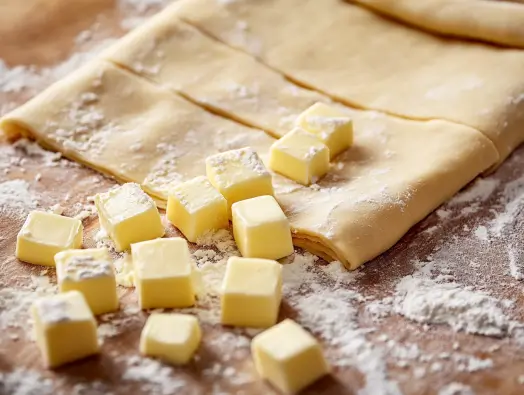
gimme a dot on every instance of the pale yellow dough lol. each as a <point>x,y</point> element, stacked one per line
<point>371,62</point>
<point>395,174</point>
<point>125,126</point>
<point>180,57</point>
<point>498,22</point>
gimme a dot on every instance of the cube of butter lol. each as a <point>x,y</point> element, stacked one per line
<point>90,272</point>
<point>173,338</point>
<point>261,229</point>
<point>331,125</point>
<point>43,235</point>
<point>163,273</point>
<point>195,207</point>
<point>65,328</point>
<point>301,156</point>
<point>251,292</point>
<point>128,215</point>
<point>238,175</point>
<point>288,357</point>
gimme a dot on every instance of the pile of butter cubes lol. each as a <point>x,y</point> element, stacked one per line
<point>238,187</point>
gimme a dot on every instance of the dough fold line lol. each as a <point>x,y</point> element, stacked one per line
<point>496,22</point>
<point>425,77</point>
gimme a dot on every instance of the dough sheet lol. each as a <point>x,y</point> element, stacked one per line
<point>498,22</point>
<point>397,172</point>
<point>367,61</point>
<point>177,56</point>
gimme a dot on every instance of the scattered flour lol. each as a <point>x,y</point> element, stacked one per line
<point>135,12</point>
<point>511,201</point>
<point>33,79</point>
<point>25,382</point>
<point>482,233</point>
<point>16,199</point>
<point>16,300</point>
<point>426,301</point>
<point>516,265</point>
<point>456,389</point>
<point>155,376</point>
<point>331,313</point>
<point>479,191</point>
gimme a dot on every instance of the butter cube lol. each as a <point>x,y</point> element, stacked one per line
<point>288,357</point>
<point>90,272</point>
<point>43,235</point>
<point>173,338</point>
<point>332,126</point>
<point>65,328</point>
<point>163,273</point>
<point>261,229</point>
<point>251,292</point>
<point>128,215</point>
<point>195,207</point>
<point>238,175</point>
<point>301,156</point>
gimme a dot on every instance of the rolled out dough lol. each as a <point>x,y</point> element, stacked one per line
<point>498,22</point>
<point>364,60</point>
<point>178,56</point>
<point>397,172</point>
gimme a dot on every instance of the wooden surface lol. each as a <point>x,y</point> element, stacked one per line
<point>42,33</point>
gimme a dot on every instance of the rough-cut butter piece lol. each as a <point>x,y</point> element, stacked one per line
<point>173,338</point>
<point>128,215</point>
<point>90,272</point>
<point>288,357</point>
<point>251,292</point>
<point>43,235</point>
<point>196,207</point>
<point>239,174</point>
<point>65,328</point>
<point>301,156</point>
<point>163,273</point>
<point>261,228</point>
<point>330,125</point>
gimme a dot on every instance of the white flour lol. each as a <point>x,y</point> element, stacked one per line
<point>318,294</point>
<point>479,191</point>
<point>154,376</point>
<point>34,79</point>
<point>512,203</point>
<point>16,199</point>
<point>25,382</point>
<point>15,301</point>
<point>135,12</point>
<point>426,301</point>
<point>456,389</point>
<point>482,233</point>
<point>516,264</point>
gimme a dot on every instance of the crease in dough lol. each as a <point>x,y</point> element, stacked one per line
<point>233,84</point>
<point>359,58</point>
<point>497,22</point>
<point>126,127</point>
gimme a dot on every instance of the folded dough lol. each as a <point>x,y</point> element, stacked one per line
<point>498,22</point>
<point>370,62</point>
<point>397,172</point>
<point>124,126</point>
<point>178,56</point>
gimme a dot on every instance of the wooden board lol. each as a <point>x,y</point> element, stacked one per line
<point>472,241</point>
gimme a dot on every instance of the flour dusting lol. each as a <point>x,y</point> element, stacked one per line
<point>16,198</point>
<point>425,301</point>
<point>456,389</point>
<point>25,382</point>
